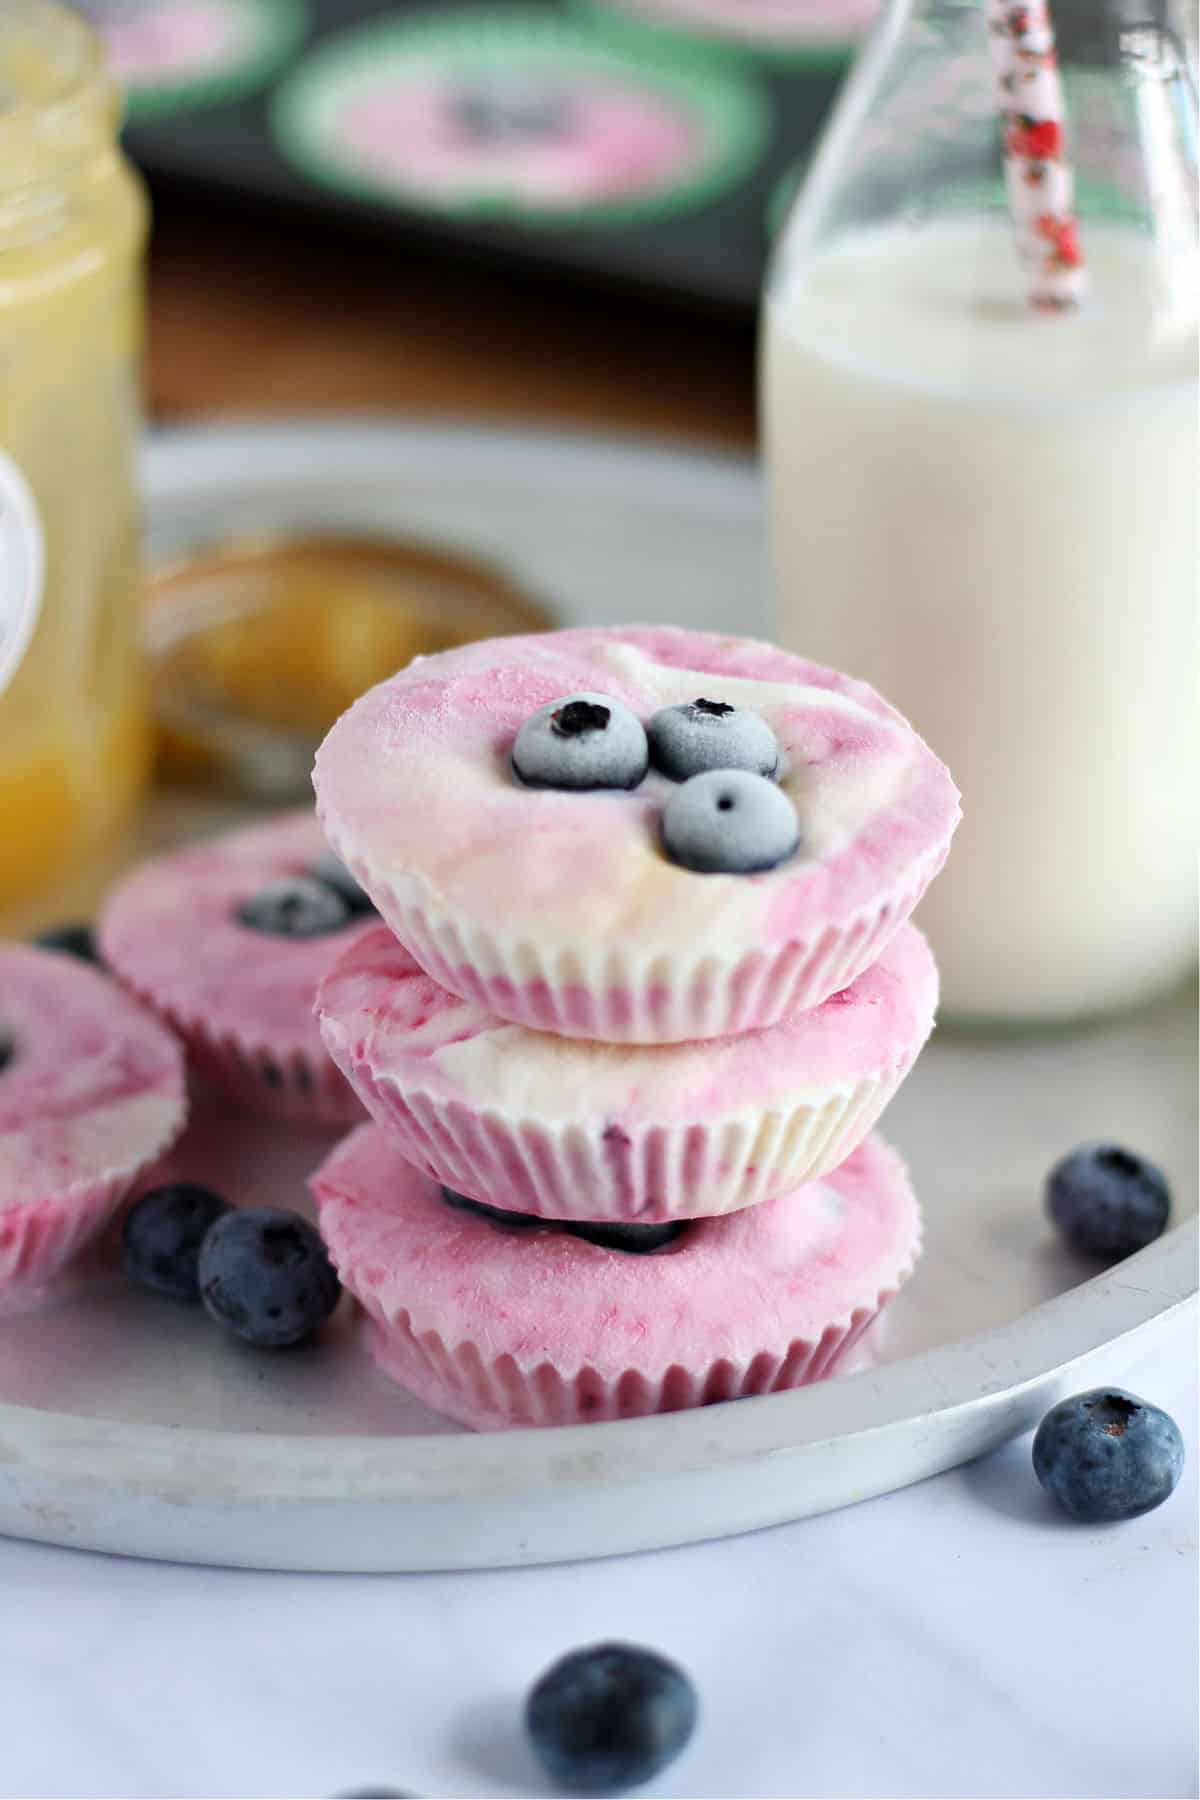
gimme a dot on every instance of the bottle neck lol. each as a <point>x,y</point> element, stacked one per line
<point>59,117</point>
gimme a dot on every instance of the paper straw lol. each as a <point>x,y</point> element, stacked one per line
<point>1038,176</point>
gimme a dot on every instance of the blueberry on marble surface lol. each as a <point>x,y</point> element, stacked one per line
<point>610,1717</point>
<point>1106,1456</point>
<point>582,741</point>
<point>266,1276</point>
<point>162,1235</point>
<point>729,822</point>
<point>296,907</point>
<point>710,734</point>
<point>1106,1201</point>
<point>72,940</point>
<point>332,872</point>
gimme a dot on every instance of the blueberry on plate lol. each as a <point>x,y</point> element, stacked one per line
<point>332,872</point>
<point>498,1215</point>
<point>1106,1201</point>
<point>265,1274</point>
<point>610,1717</point>
<point>296,907</point>
<point>710,734</point>
<point>1106,1455</point>
<point>640,1239</point>
<point>71,940</point>
<point>162,1235</point>
<point>729,822</point>
<point>582,741</point>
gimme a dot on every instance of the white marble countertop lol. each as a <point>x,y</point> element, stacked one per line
<point>957,1639</point>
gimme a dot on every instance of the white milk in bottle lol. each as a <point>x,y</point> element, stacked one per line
<point>988,508</point>
<point>992,517</point>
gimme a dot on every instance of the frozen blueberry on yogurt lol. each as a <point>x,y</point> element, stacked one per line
<point>729,822</point>
<point>710,734</point>
<point>294,908</point>
<point>583,741</point>
<point>499,1215</point>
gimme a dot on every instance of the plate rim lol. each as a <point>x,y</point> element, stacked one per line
<point>963,1397</point>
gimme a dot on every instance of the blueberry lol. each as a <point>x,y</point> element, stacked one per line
<point>1107,1201</point>
<point>296,907</point>
<point>582,741</point>
<point>497,113</point>
<point>266,1275</point>
<point>497,1214</point>
<point>332,872</point>
<point>1106,1455</point>
<point>8,1051</point>
<point>639,1239</point>
<point>710,734</point>
<point>729,822</point>
<point>610,1717</point>
<point>71,940</point>
<point>162,1235</point>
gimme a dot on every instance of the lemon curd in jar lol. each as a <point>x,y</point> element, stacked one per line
<point>73,734</point>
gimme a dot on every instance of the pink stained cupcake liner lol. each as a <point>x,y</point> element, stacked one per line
<point>500,1327</point>
<point>240,999</point>
<point>559,910</point>
<point>92,1092</point>
<point>571,1130</point>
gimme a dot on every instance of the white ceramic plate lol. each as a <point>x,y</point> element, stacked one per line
<point>131,1425</point>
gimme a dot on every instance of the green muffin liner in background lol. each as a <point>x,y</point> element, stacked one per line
<point>472,41</point>
<point>277,28</point>
<point>627,22</point>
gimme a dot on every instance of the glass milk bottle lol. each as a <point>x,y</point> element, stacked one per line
<point>988,508</point>
<point>73,733</point>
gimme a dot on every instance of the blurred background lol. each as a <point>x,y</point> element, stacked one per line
<point>555,215</point>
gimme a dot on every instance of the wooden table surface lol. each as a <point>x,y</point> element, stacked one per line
<point>252,315</point>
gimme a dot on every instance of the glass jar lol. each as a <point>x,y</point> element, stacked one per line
<point>73,732</point>
<point>989,510</point>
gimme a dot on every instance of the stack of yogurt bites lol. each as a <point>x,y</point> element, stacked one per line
<point>642,984</point>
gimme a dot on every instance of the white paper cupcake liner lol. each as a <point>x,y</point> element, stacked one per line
<point>599,991</point>
<point>491,1394</point>
<point>39,1239</point>
<point>570,1171</point>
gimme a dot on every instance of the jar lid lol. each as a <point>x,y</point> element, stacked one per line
<point>58,104</point>
<point>257,643</point>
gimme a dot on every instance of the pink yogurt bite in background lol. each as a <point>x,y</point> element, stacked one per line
<point>92,1091</point>
<point>242,999</point>
<point>560,909</point>
<point>498,1326</point>
<point>570,1128</point>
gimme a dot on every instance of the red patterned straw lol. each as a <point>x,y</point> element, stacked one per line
<point>1040,180</point>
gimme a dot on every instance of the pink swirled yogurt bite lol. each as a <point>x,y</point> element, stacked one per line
<point>227,941</point>
<point>501,1323</point>
<point>92,1091</point>
<point>569,1128</point>
<point>626,907</point>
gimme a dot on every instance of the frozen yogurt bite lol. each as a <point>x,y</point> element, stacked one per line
<point>502,1320</point>
<point>641,836</point>
<point>570,1128</point>
<point>92,1091</point>
<point>227,941</point>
